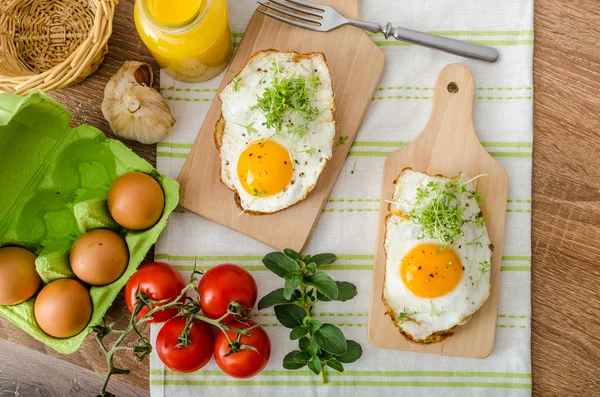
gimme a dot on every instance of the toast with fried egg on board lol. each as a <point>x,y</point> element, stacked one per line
<point>276,130</point>
<point>438,255</point>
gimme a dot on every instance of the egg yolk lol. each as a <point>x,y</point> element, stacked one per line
<point>265,168</point>
<point>429,272</point>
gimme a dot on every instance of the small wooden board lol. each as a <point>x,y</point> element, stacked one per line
<point>448,145</point>
<point>356,66</point>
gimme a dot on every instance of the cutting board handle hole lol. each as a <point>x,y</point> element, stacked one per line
<point>452,87</point>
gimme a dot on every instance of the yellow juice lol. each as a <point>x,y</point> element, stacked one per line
<point>190,39</point>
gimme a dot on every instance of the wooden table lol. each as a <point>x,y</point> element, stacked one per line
<point>566,216</point>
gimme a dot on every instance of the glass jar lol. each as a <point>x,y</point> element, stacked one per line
<point>190,39</point>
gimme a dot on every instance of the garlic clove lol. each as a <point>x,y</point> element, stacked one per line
<point>134,110</point>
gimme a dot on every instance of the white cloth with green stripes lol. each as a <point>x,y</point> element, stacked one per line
<point>398,113</point>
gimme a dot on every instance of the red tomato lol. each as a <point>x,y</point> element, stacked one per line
<point>245,363</point>
<point>223,284</point>
<point>160,281</point>
<point>185,359</point>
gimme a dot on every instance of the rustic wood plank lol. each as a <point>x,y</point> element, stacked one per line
<point>566,206</point>
<point>67,380</point>
<point>566,199</point>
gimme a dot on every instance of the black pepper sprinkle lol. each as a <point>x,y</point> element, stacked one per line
<point>284,162</point>
<point>260,157</point>
<point>250,155</point>
<point>302,174</point>
<point>315,70</point>
<point>227,163</point>
<point>431,275</point>
<point>419,268</point>
<point>296,161</point>
<point>292,182</point>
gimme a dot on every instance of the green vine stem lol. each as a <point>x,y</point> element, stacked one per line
<point>187,307</point>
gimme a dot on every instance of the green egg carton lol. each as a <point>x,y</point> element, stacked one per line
<point>54,181</point>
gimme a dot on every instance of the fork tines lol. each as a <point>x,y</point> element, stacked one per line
<point>304,13</point>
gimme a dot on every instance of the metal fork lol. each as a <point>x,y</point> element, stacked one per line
<point>324,18</point>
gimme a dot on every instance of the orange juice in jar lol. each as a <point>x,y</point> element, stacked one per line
<point>190,39</point>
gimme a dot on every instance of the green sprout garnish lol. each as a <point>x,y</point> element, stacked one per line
<point>403,316</point>
<point>310,151</point>
<point>484,267</point>
<point>250,127</point>
<point>236,83</point>
<point>342,140</point>
<point>259,193</point>
<point>434,311</point>
<point>287,96</point>
<point>442,217</point>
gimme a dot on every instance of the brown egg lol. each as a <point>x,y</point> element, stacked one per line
<point>99,257</point>
<point>63,308</point>
<point>18,278</point>
<point>136,201</point>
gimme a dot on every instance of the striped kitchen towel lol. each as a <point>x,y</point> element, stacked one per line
<point>399,110</point>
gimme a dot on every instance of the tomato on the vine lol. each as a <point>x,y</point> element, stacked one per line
<point>243,363</point>
<point>185,358</point>
<point>159,281</point>
<point>225,283</point>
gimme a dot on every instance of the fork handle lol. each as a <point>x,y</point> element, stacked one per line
<point>451,46</point>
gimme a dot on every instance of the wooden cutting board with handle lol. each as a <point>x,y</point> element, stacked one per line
<point>448,145</point>
<point>356,65</point>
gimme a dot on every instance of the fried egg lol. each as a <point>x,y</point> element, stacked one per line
<point>438,255</point>
<point>276,130</point>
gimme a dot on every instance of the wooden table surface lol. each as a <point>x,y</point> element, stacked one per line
<point>566,217</point>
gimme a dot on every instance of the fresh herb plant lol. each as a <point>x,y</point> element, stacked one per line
<point>321,345</point>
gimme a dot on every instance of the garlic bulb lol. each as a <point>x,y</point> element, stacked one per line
<point>135,110</point>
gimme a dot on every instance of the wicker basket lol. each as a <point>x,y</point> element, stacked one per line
<point>48,44</point>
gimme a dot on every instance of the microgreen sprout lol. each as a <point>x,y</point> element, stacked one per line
<point>434,311</point>
<point>236,83</point>
<point>403,316</point>
<point>288,95</point>
<point>484,267</point>
<point>259,193</point>
<point>310,151</point>
<point>342,140</point>
<point>250,127</point>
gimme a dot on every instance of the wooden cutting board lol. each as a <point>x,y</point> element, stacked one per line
<point>448,145</point>
<point>356,65</point>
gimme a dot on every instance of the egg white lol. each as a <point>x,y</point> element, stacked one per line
<point>402,235</point>
<point>237,102</point>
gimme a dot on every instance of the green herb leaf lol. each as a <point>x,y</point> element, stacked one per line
<point>312,348</point>
<point>315,325</point>
<point>298,332</point>
<point>315,365</point>
<point>303,343</point>
<point>331,338</point>
<point>352,354</point>
<point>323,259</point>
<point>275,298</point>
<point>346,291</point>
<point>290,253</point>
<point>289,316</point>
<point>323,283</point>
<point>290,361</point>
<point>280,264</point>
<point>292,281</point>
<point>335,364</point>
<point>312,267</point>
<point>302,356</point>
